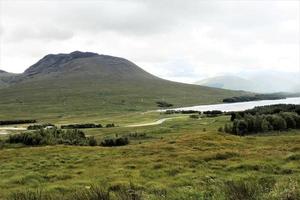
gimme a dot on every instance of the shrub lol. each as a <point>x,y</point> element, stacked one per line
<point>93,193</point>
<point>81,126</point>
<point>277,122</point>
<point>163,104</point>
<point>92,141</point>
<point>2,143</point>
<point>118,141</point>
<point>19,121</point>
<point>52,137</point>
<point>241,190</point>
<point>182,112</point>
<point>240,127</point>
<point>110,125</point>
<point>213,112</point>
<point>285,190</point>
<point>246,123</point>
<point>129,193</point>
<point>29,195</point>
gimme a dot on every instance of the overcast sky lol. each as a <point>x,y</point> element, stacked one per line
<point>183,40</point>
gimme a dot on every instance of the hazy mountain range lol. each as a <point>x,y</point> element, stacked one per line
<point>260,81</point>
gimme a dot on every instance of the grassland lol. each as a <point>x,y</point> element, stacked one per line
<point>182,158</point>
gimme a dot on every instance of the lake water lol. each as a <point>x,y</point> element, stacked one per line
<point>226,107</point>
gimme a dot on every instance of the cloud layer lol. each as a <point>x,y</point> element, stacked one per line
<point>175,39</point>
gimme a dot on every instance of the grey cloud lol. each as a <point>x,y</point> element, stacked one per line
<point>209,35</point>
<point>43,32</point>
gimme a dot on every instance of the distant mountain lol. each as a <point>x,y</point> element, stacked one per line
<point>261,82</point>
<point>5,78</point>
<point>228,82</point>
<point>91,84</point>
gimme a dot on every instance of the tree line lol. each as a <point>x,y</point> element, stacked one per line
<point>67,137</point>
<point>269,109</point>
<point>264,119</point>
<point>258,97</point>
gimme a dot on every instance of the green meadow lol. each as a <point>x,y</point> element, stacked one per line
<point>182,158</point>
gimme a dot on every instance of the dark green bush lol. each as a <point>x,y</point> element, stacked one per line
<point>19,121</point>
<point>118,141</point>
<point>244,124</point>
<point>110,125</point>
<point>52,137</point>
<point>92,141</point>
<point>163,104</point>
<point>182,112</point>
<point>81,126</point>
<point>266,110</point>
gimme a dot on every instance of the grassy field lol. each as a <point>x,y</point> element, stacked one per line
<point>182,158</point>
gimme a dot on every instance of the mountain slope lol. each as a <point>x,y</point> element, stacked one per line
<point>87,84</point>
<point>5,78</point>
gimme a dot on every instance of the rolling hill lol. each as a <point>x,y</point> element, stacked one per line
<point>89,85</point>
<point>5,78</point>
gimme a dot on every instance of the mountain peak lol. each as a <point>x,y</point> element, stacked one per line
<point>52,62</point>
<point>86,64</point>
<point>3,72</point>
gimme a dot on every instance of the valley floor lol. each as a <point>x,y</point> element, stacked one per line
<point>182,158</point>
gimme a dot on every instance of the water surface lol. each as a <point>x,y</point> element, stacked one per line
<point>226,107</point>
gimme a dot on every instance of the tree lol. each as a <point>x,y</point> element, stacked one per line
<point>240,127</point>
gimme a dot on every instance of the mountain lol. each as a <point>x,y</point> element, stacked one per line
<point>228,82</point>
<point>88,84</point>
<point>259,82</point>
<point>5,78</point>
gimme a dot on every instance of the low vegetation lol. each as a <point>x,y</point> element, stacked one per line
<point>58,136</point>
<point>40,126</point>
<point>93,192</point>
<point>272,109</point>
<point>177,160</point>
<point>50,137</point>
<point>117,141</point>
<point>19,121</point>
<point>213,113</point>
<point>163,104</point>
<point>81,126</point>
<point>265,188</point>
<point>169,112</point>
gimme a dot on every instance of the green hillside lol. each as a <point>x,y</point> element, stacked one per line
<point>91,85</point>
<point>5,78</point>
